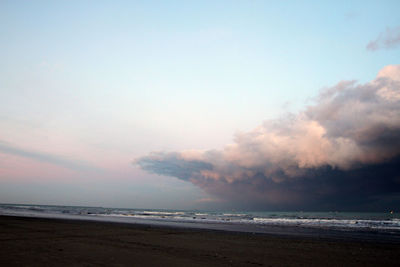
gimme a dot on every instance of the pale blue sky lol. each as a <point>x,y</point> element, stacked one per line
<point>104,82</point>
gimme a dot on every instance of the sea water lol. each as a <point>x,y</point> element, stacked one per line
<point>387,221</point>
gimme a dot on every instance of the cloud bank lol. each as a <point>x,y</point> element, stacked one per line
<point>341,153</point>
<point>77,165</point>
<point>386,40</point>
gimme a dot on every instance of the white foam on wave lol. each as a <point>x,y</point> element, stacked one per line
<point>385,222</point>
<point>393,224</point>
<point>162,212</point>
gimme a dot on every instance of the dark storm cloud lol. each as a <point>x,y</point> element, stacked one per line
<point>172,165</point>
<point>343,152</point>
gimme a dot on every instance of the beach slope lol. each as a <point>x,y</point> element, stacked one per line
<point>45,242</point>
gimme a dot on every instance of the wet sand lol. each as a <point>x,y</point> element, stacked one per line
<point>55,242</point>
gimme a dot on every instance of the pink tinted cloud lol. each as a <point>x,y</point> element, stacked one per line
<point>306,156</point>
<point>24,169</point>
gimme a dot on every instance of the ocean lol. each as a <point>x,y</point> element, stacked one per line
<point>388,222</point>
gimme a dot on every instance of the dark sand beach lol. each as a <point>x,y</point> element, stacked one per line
<point>55,242</point>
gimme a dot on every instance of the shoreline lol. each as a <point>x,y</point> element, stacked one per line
<point>45,241</point>
<point>365,235</point>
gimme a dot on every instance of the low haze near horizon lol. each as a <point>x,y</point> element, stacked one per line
<point>211,104</point>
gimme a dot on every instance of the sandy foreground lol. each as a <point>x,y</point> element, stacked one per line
<point>54,242</point>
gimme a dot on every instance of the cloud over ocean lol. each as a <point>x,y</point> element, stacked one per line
<point>341,152</point>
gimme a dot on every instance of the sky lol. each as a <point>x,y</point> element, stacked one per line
<point>254,105</point>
